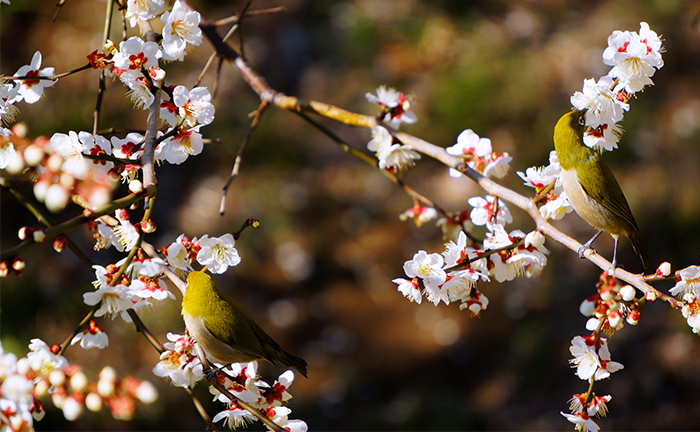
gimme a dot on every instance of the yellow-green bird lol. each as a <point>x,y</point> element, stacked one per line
<point>591,186</point>
<point>227,334</point>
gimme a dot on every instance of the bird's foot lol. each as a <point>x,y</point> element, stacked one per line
<point>582,250</point>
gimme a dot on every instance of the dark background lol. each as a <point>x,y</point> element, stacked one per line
<point>317,275</point>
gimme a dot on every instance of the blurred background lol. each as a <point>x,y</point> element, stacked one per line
<point>317,274</point>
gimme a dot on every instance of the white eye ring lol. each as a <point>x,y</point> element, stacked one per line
<point>581,121</point>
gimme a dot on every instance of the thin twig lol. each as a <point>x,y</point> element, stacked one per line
<point>234,19</point>
<point>239,156</point>
<point>59,5</point>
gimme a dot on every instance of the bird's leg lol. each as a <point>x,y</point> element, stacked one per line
<point>614,261</point>
<point>587,246</point>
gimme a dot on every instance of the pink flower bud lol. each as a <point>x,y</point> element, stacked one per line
<point>650,296</point>
<point>39,236</point>
<point>59,243</point>
<point>18,265</point>
<point>664,269</point>
<point>25,232</point>
<point>33,155</point>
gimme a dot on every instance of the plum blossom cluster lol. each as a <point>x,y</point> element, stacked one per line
<point>611,305</point>
<point>593,363</point>
<point>395,109</point>
<point>179,362</point>
<point>688,288</point>
<point>452,276</point>
<point>141,285</point>
<point>553,203</point>
<point>477,154</point>
<point>180,365</point>
<point>45,374</point>
<point>634,58</point>
<point>241,380</point>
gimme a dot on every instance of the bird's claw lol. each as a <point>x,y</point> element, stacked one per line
<point>582,250</point>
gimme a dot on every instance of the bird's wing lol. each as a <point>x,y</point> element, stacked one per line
<point>609,194</point>
<point>236,330</point>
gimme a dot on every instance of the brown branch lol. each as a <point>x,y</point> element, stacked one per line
<point>289,103</point>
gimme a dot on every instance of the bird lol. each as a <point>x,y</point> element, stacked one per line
<point>592,188</point>
<point>225,332</point>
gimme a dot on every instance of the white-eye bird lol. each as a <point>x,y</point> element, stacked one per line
<point>225,332</point>
<point>591,186</point>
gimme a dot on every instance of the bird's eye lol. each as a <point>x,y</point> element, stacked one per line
<point>582,121</point>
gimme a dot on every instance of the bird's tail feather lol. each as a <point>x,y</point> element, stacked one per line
<point>293,361</point>
<point>639,248</point>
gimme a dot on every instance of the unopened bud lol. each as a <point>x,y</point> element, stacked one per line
<point>41,388</point>
<point>56,198</point>
<point>55,162</point>
<point>72,408</point>
<point>3,269</point>
<point>587,307</point>
<point>40,189</point>
<point>93,402</point>
<point>148,226</point>
<point>59,243</point>
<point>37,410</point>
<point>87,213</point>
<point>39,236</point>
<point>650,296</point>
<point>57,378</point>
<point>135,186</point>
<point>33,155</point>
<point>628,293</point>
<point>20,129</point>
<point>25,232</point>
<point>78,382</point>
<point>592,324</point>
<point>664,269</point>
<point>18,265</point>
<point>16,163</point>
<point>633,317</point>
<point>615,320</point>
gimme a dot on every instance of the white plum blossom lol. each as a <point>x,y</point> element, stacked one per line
<point>691,311</point>
<point>71,148</point>
<point>115,300</point>
<point>91,337</point>
<point>126,148</point>
<point>177,149</point>
<point>31,90</point>
<point>178,362</point>
<point>390,155</point>
<point>603,110</point>
<point>194,105</point>
<point>427,267</point>
<point>582,422</point>
<point>139,92</point>
<point>471,147</point>
<point>218,253</point>
<point>143,10</point>
<point>177,256</point>
<point>634,57</point>
<point>395,106</point>
<point>7,153</point>
<point>489,211</point>
<point>136,54</point>
<point>498,166</point>
<point>42,360</point>
<point>409,289</point>
<point>181,30</point>
<point>589,363</point>
<point>689,283</point>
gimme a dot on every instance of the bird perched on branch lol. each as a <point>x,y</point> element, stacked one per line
<point>225,332</point>
<point>592,188</point>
